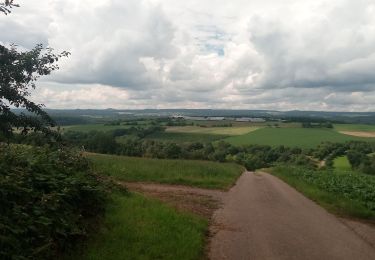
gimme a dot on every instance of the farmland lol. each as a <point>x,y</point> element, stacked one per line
<point>94,127</point>
<point>235,130</point>
<point>350,194</point>
<point>354,127</point>
<point>193,173</point>
<point>296,137</point>
<point>287,134</point>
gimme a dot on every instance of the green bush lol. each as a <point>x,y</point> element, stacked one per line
<point>46,197</point>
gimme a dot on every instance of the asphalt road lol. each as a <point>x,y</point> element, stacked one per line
<point>264,218</point>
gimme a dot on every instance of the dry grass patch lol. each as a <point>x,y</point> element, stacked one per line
<point>359,133</point>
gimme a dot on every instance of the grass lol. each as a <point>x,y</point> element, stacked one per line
<point>95,127</point>
<point>293,137</point>
<point>202,174</point>
<point>354,127</point>
<point>185,137</point>
<point>341,164</point>
<point>348,194</point>
<point>234,130</point>
<point>136,227</point>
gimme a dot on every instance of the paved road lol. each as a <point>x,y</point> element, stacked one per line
<point>264,218</point>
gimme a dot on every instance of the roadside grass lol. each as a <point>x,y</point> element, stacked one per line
<point>136,227</point>
<point>292,137</point>
<point>354,127</point>
<point>185,137</point>
<point>203,174</point>
<point>350,195</point>
<point>341,164</point>
<point>233,130</point>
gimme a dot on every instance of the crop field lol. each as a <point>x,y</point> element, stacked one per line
<point>136,227</point>
<point>341,164</point>
<point>178,137</point>
<point>234,130</point>
<point>293,137</point>
<point>202,174</point>
<point>348,193</point>
<point>354,127</point>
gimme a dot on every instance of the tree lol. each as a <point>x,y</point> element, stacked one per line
<point>355,158</point>
<point>19,71</point>
<point>6,6</point>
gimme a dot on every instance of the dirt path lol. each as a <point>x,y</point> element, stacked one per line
<point>217,194</point>
<point>202,202</point>
<point>264,218</point>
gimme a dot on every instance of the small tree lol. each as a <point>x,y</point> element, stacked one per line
<point>18,72</point>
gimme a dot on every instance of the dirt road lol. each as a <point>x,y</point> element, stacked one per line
<point>264,218</point>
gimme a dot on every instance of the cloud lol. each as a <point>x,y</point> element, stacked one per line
<point>312,54</point>
<point>109,40</point>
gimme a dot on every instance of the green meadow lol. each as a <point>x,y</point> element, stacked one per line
<point>341,164</point>
<point>135,227</point>
<point>202,174</point>
<point>354,127</point>
<point>94,127</point>
<point>293,137</point>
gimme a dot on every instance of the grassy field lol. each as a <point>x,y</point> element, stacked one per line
<point>234,130</point>
<point>193,173</point>
<point>178,137</point>
<point>293,137</point>
<point>349,194</point>
<point>341,164</point>
<point>95,127</point>
<point>136,227</point>
<point>354,127</point>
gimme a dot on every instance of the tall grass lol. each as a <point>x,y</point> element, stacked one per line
<point>136,227</point>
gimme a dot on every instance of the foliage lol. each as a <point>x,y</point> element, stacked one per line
<point>317,125</point>
<point>46,198</point>
<point>252,156</point>
<point>7,6</point>
<point>18,72</point>
<point>185,137</point>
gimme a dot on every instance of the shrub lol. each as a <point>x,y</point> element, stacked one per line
<point>46,198</point>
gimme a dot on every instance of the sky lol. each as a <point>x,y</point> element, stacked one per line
<point>238,54</point>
